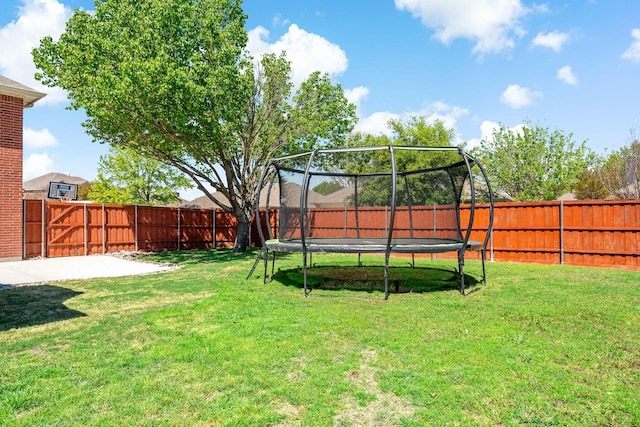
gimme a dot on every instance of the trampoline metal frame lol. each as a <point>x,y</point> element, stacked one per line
<point>308,246</point>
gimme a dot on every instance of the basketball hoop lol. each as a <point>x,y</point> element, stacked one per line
<point>62,191</point>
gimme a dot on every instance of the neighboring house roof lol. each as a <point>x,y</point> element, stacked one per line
<point>340,198</point>
<point>38,188</point>
<point>13,88</point>
<point>291,192</point>
<point>567,196</point>
<point>42,182</point>
<point>203,202</point>
<point>291,196</point>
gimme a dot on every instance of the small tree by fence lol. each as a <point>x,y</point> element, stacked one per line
<point>592,233</point>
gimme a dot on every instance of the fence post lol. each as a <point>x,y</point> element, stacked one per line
<point>435,228</point>
<point>561,232</point>
<point>345,222</point>
<point>179,228</point>
<point>491,245</point>
<point>44,230</point>
<point>214,228</point>
<point>84,216</point>
<point>24,228</point>
<point>135,219</point>
<point>386,219</point>
<point>435,225</point>
<point>104,231</point>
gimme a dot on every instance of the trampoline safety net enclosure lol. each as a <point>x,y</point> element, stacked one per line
<point>383,199</point>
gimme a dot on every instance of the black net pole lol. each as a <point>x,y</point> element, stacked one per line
<point>355,204</point>
<point>406,187</point>
<point>465,242</point>
<point>458,195</point>
<point>304,190</point>
<point>263,251</point>
<point>490,225</point>
<point>391,222</point>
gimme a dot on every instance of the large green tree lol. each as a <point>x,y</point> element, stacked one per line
<point>172,80</point>
<point>127,177</point>
<point>533,164</point>
<point>415,131</point>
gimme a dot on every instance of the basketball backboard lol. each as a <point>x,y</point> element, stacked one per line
<point>62,190</point>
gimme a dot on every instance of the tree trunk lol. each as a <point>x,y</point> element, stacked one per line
<point>242,234</point>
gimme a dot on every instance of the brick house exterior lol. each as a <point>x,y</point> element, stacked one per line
<point>14,97</point>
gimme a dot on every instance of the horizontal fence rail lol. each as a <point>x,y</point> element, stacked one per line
<point>591,233</point>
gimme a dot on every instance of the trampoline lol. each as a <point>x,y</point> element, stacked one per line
<point>383,199</point>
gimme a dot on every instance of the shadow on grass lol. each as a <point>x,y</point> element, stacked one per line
<point>371,279</point>
<point>35,305</point>
<point>203,256</point>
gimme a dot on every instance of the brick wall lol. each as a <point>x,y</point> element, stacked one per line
<point>11,109</point>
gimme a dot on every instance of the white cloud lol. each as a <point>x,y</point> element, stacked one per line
<point>256,43</point>
<point>553,40</point>
<point>446,113</point>
<point>492,24</point>
<point>376,123</point>
<point>472,143</point>
<point>36,165</point>
<point>36,19</point>
<point>486,133</point>
<point>487,128</point>
<point>278,20</point>
<point>307,52</point>
<point>540,8</point>
<point>516,96</point>
<point>38,138</point>
<point>567,75</point>
<point>356,95</point>
<point>633,52</point>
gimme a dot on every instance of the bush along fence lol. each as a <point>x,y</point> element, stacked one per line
<point>591,233</point>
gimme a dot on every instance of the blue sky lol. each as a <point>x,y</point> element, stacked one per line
<point>573,66</point>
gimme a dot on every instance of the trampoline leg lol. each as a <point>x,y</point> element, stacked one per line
<point>273,263</point>
<point>304,272</point>
<point>484,274</point>
<point>461,270</point>
<point>266,258</point>
<point>386,276</point>
<point>260,256</point>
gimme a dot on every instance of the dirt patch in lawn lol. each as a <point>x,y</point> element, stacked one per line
<point>370,406</point>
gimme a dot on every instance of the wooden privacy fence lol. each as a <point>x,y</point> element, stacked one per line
<point>57,229</point>
<point>592,233</point>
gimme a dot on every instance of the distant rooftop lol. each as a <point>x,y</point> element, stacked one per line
<point>41,183</point>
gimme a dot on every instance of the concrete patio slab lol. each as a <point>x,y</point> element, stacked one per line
<point>75,267</point>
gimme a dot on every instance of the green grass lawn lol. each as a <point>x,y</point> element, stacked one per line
<point>539,345</point>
